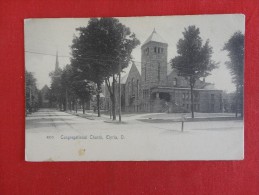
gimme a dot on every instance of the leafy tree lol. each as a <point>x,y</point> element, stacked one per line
<point>101,51</point>
<point>66,86</point>
<point>40,98</point>
<point>57,96</point>
<point>32,93</point>
<point>235,49</point>
<point>194,59</point>
<point>81,87</point>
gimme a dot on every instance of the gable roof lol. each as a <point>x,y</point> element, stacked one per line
<point>45,88</point>
<point>209,86</point>
<point>127,71</point>
<point>124,78</point>
<point>155,37</point>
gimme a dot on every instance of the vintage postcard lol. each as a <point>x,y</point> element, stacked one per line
<point>135,88</point>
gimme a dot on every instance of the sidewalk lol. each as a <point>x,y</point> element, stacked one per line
<point>178,117</point>
<point>158,117</point>
<point>89,115</point>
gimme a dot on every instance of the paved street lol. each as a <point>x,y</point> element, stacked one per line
<point>58,136</point>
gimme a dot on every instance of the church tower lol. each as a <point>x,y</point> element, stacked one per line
<point>153,62</point>
<point>57,63</point>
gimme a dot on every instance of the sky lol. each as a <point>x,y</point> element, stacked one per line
<point>47,36</point>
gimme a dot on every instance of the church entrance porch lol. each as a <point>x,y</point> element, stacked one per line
<point>159,101</point>
<point>164,99</point>
<point>165,96</point>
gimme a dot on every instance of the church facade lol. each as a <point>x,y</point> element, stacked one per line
<point>155,87</point>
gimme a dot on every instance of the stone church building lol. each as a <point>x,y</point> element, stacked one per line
<point>156,87</point>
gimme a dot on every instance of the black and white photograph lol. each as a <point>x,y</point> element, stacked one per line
<point>148,88</point>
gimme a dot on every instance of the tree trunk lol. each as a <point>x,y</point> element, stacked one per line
<point>192,101</point>
<point>120,93</point>
<point>242,102</point>
<point>110,110</point>
<point>76,105</point>
<point>60,104</point>
<point>113,107</point>
<point>83,105</point>
<point>113,99</point>
<point>66,102</point>
<point>237,101</point>
<point>98,99</point>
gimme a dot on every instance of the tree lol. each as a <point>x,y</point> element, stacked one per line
<point>194,59</point>
<point>82,88</point>
<point>56,89</point>
<point>73,85</point>
<point>68,77</point>
<point>100,50</point>
<point>235,49</point>
<point>32,93</point>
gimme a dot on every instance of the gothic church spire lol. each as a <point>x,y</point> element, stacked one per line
<point>57,63</point>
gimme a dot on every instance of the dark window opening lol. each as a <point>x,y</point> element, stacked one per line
<point>164,96</point>
<point>175,82</point>
<point>147,51</point>
<point>212,107</point>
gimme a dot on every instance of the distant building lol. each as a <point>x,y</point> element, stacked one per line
<point>156,87</point>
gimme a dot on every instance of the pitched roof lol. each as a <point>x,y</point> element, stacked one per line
<point>124,78</point>
<point>45,87</point>
<point>126,72</point>
<point>209,86</point>
<point>154,37</point>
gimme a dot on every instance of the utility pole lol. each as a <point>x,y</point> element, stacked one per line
<point>119,92</point>
<point>66,101</point>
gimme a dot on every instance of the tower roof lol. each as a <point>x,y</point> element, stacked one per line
<point>154,37</point>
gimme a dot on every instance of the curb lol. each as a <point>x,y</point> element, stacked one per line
<point>189,119</point>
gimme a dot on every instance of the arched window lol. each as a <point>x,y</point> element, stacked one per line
<point>129,88</point>
<point>158,71</point>
<point>147,51</point>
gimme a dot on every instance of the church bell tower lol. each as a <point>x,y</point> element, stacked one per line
<point>154,62</point>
